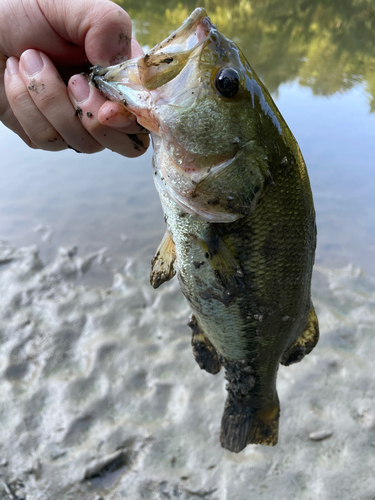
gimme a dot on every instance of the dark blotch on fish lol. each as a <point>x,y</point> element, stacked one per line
<point>197,265</point>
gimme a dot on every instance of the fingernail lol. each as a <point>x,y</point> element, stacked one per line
<point>32,62</point>
<point>80,88</point>
<point>12,65</point>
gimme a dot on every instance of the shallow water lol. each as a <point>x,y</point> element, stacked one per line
<point>106,200</point>
<point>316,59</point>
<point>100,395</point>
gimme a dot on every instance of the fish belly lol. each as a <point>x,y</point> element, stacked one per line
<point>246,331</point>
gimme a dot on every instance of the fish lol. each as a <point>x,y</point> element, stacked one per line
<point>239,214</point>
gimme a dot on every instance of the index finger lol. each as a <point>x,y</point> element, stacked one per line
<point>123,141</point>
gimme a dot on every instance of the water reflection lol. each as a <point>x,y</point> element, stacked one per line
<point>106,200</point>
<point>327,46</point>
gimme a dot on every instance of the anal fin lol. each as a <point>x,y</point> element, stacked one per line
<point>305,342</point>
<point>204,352</point>
<point>163,264</point>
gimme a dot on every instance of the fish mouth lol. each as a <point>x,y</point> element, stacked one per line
<point>135,83</point>
<point>166,60</point>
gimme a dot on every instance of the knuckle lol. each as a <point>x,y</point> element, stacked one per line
<point>93,127</point>
<point>18,95</point>
<point>40,93</point>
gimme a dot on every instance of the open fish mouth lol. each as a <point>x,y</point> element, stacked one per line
<point>132,82</point>
<point>174,93</point>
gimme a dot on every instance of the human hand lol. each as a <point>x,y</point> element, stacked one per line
<point>48,42</point>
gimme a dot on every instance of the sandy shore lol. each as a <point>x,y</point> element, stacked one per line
<point>101,397</point>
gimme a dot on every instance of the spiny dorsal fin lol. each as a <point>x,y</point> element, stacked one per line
<point>163,264</point>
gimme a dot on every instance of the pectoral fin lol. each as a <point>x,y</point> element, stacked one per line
<point>163,265</point>
<point>226,267</point>
<point>305,342</point>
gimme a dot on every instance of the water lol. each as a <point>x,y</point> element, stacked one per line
<point>316,59</point>
<point>106,200</point>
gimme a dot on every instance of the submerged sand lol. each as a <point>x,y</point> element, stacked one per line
<point>101,397</point>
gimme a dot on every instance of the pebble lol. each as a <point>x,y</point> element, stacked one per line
<point>320,435</point>
<point>4,462</point>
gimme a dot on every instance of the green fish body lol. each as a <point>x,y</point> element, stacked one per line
<point>239,211</point>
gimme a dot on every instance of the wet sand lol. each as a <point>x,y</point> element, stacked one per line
<point>101,397</point>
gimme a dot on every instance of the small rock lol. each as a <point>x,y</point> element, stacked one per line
<point>99,466</point>
<point>4,462</point>
<point>56,454</point>
<point>320,435</point>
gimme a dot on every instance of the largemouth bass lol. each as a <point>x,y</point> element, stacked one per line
<point>239,211</point>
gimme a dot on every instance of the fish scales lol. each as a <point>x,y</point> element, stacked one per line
<point>239,212</point>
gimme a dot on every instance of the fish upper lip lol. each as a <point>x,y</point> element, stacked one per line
<point>198,23</point>
<point>166,60</point>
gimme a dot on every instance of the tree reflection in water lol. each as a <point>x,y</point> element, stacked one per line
<point>328,45</point>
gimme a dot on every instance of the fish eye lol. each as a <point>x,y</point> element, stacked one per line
<point>227,82</point>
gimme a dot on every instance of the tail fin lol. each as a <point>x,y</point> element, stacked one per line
<point>242,425</point>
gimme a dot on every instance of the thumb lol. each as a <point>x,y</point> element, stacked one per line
<point>108,40</point>
<point>102,28</point>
